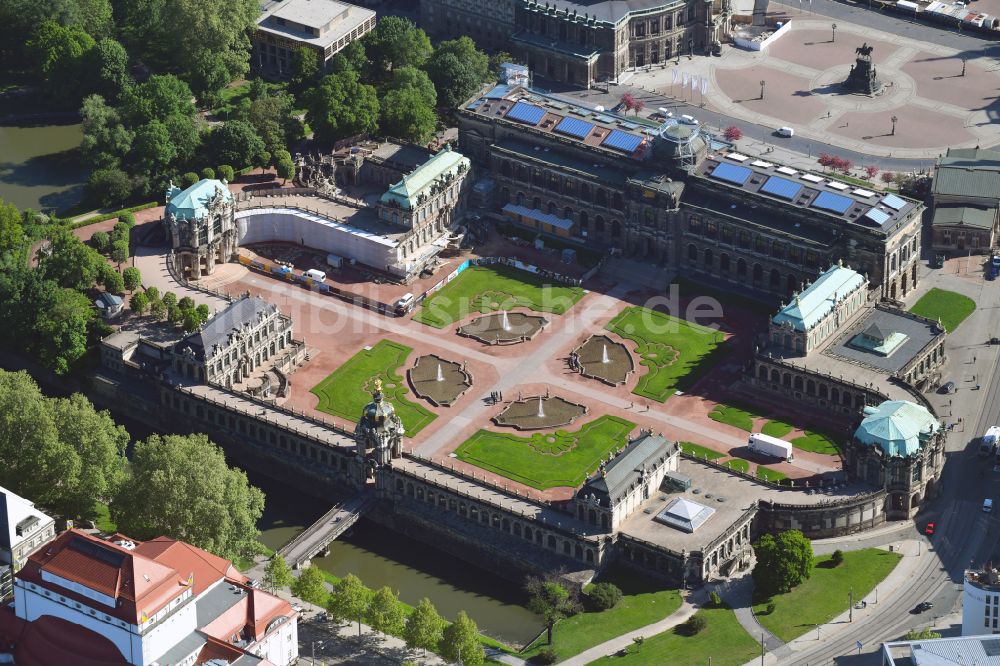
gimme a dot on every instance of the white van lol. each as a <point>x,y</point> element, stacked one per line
<point>786,132</point>
<point>688,120</point>
<point>315,275</point>
<point>404,304</point>
<point>987,506</point>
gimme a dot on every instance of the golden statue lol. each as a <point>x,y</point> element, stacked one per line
<point>378,384</point>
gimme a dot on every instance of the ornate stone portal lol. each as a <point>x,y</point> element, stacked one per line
<point>378,435</point>
<point>863,78</point>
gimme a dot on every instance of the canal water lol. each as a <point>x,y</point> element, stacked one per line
<point>380,557</point>
<point>41,167</point>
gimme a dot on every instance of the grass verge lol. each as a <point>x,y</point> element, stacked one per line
<point>700,451</point>
<point>816,443</point>
<point>734,416</point>
<point>776,428</point>
<point>950,307</point>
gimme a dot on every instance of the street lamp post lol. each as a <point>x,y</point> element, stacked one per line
<point>850,611</point>
<point>963,66</point>
<point>762,84</point>
<point>894,119</point>
<point>834,39</point>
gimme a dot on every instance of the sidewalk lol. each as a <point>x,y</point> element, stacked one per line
<point>900,577</point>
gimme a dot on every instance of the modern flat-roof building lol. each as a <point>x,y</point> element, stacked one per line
<point>670,193</point>
<point>965,196</point>
<point>981,602</point>
<point>978,650</point>
<point>325,26</point>
<point>82,598</point>
<point>23,529</point>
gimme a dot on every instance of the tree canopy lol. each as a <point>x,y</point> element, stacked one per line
<point>461,641</point>
<point>551,600</point>
<point>341,106</point>
<point>385,613</point>
<point>457,69</point>
<point>406,115</point>
<point>395,42</point>
<point>310,586</point>
<point>783,562</point>
<point>277,574</point>
<point>424,627</point>
<point>199,499</point>
<point>349,600</point>
<point>236,142</point>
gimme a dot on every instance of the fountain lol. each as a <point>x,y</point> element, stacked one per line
<point>504,321</point>
<point>541,408</point>
<point>440,375</point>
<point>604,355</point>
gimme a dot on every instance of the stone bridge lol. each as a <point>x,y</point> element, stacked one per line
<point>324,531</point>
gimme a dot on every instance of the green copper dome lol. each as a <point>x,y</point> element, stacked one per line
<point>898,427</point>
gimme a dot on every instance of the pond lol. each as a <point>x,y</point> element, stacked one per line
<point>41,167</point>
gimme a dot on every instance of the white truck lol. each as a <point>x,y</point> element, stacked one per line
<point>989,441</point>
<point>770,446</point>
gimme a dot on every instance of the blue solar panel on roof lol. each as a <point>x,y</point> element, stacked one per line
<point>621,141</point>
<point>497,92</point>
<point>837,203</point>
<point>732,173</point>
<point>877,216</point>
<point>574,127</point>
<point>475,105</point>
<point>893,202</point>
<point>526,113</point>
<point>781,187</point>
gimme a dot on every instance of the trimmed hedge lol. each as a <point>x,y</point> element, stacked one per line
<point>108,216</point>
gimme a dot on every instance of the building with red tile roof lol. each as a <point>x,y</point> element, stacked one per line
<point>163,601</point>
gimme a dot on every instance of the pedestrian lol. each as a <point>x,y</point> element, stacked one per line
<point>501,396</point>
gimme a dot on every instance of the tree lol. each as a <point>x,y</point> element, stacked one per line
<point>455,80</point>
<point>783,562</point>
<point>107,67</point>
<point>159,97</point>
<point>385,613</point>
<point>157,309</point>
<point>59,54</point>
<point>207,77</point>
<point>62,319</point>
<point>284,165</point>
<point>921,635</point>
<point>119,252</point>
<point>604,596</point>
<point>101,241</point>
<point>174,314</point>
<point>424,627</point>
<point>186,134</point>
<point>153,150</point>
<point>732,133</point>
<point>69,262</point>
<point>395,42</point>
<point>190,321</point>
<point>693,626</point>
<point>225,172</point>
<point>305,71</point>
<point>628,101</point>
<point>871,171</point>
<point>235,142</point>
<point>114,284</point>
<point>169,299</point>
<point>837,558</point>
<point>97,445</point>
<point>551,600</point>
<point>460,641</point>
<point>340,106</point>
<point>411,77</point>
<point>120,232</point>
<point>109,187</point>
<point>203,313</point>
<point>310,586</point>
<point>199,499</point>
<point>274,118</point>
<point>465,50</point>
<point>349,600</point>
<point>406,115</point>
<point>139,303</point>
<point>207,173</point>
<point>186,303</point>
<point>188,179</point>
<point>106,139</point>
<point>11,230</point>
<point>888,177</point>
<point>132,278</point>
<point>277,574</point>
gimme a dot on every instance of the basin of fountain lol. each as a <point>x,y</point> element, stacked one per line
<point>537,412</point>
<point>503,328</point>
<point>604,359</point>
<point>437,380</point>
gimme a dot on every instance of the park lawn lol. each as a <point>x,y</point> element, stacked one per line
<point>734,416</point>
<point>722,640</point>
<point>491,288</point>
<point>547,460</point>
<point>825,594</point>
<point>738,464</point>
<point>816,443</point>
<point>700,451</point>
<point>950,307</point>
<point>643,602</point>
<point>102,519</point>
<point>347,390</point>
<point>769,474</point>
<point>670,348</point>
<point>776,428</point>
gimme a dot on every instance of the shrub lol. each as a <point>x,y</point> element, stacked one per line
<point>694,625</point>
<point>152,293</point>
<point>127,218</point>
<point>169,299</point>
<point>120,232</point>
<point>837,558</point>
<point>101,241</point>
<point>888,177</point>
<point>545,656</point>
<point>769,609</point>
<point>208,173</point>
<point>716,599</point>
<point>188,179</point>
<point>733,133</point>
<point>604,596</point>
<point>132,278</point>
<point>225,172</point>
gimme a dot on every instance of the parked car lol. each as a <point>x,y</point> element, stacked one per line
<point>785,132</point>
<point>987,505</point>
<point>922,607</point>
<point>947,387</point>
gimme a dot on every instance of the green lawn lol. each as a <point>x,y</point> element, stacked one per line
<point>824,595</point>
<point>950,307</point>
<point>547,460</point>
<point>738,464</point>
<point>643,602</point>
<point>816,442</point>
<point>723,640</point>
<point>670,348</point>
<point>490,288</point>
<point>776,428</point>
<point>103,520</point>
<point>769,474</point>
<point>346,391</point>
<point>733,416</point>
<point>700,451</point>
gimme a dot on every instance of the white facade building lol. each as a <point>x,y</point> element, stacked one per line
<point>981,602</point>
<point>23,528</point>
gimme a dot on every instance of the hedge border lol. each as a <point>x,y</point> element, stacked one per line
<point>108,216</point>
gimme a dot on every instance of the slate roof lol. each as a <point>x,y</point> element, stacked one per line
<point>819,298</point>
<point>216,331</point>
<point>898,427</point>
<point>406,191</point>
<point>622,473</point>
<point>968,172</point>
<point>191,204</point>
<point>979,217</point>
